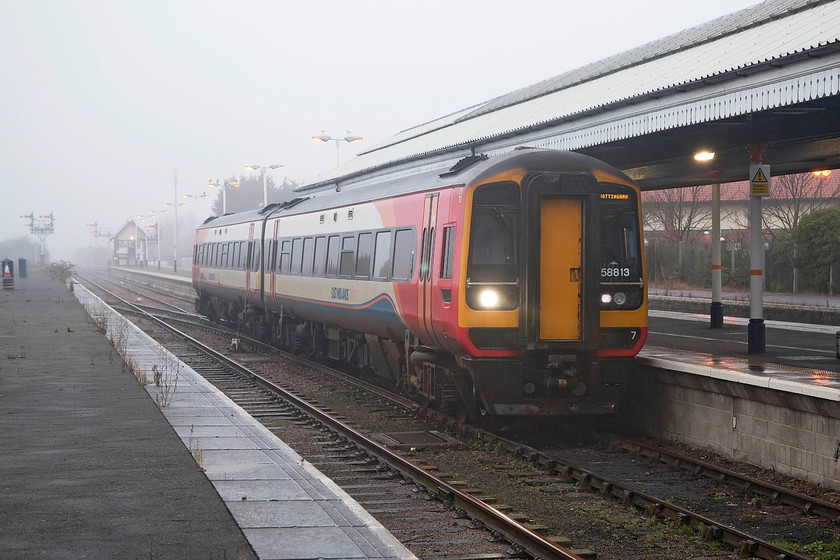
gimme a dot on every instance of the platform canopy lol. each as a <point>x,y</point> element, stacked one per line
<point>765,76</point>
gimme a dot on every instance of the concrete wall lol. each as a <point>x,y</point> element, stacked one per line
<point>793,434</point>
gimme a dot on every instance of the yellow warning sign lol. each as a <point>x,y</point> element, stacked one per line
<point>759,180</point>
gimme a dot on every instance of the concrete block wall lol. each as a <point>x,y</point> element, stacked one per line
<point>793,434</point>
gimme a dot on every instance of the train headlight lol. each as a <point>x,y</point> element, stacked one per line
<point>606,299</point>
<point>488,298</point>
<point>620,298</point>
<point>492,297</point>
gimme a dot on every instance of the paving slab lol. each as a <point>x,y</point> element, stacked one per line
<point>90,467</point>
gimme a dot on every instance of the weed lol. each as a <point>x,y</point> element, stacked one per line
<point>12,355</point>
<point>196,451</point>
<point>166,373</point>
<point>819,549</point>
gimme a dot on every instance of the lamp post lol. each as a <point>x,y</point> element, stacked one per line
<point>175,226</point>
<point>145,253</point>
<point>157,232</point>
<point>263,168</point>
<point>194,197</point>
<point>224,185</point>
<point>324,137</point>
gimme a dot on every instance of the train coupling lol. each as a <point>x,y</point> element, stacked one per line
<point>562,364</point>
<point>562,374</point>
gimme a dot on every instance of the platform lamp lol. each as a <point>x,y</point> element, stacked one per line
<point>142,218</point>
<point>157,231</point>
<point>716,307</point>
<point>324,137</point>
<point>263,168</point>
<point>224,185</point>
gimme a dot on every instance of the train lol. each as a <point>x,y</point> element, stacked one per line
<point>508,285</point>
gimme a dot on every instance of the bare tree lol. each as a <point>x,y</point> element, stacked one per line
<point>677,213</point>
<point>795,196</point>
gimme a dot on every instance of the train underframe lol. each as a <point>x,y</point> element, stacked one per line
<point>537,384</point>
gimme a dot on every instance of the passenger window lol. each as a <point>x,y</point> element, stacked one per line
<point>255,255</point>
<point>285,256</point>
<point>308,255</point>
<point>332,255</point>
<point>297,255</point>
<point>363,255</point>
<point>448,249</point>
<point>404,251</point>
<point>348,256</point>
<point>320,256</point>
<point>270,254</point>
<point>382,255</point>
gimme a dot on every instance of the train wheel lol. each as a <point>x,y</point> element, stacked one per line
<point>446,397</point>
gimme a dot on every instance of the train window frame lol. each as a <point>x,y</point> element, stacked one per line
<point>447,256</point>
<point>333,255</point>
<point>364,248</point>
<point>270,253</point>
<point>493,258</point>
<point>382,249</point>
<point>297,256</point>
<point>285,263</point>
<point>426,252</point>
<point>347,256</point>
<point>308,256</point>
<point>225,256</point>
<point>403,254</point>
<point>320,266</point>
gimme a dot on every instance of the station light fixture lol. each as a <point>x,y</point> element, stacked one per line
<point>224,184</point>
<point>822,173</point>
<point>263,168</point>
<point>324,137</point>
<point>704,156</point>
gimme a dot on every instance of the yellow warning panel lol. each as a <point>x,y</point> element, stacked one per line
<point>560,269</point>
<point>759,180</point>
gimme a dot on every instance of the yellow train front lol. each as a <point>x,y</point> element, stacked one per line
<point>550,289</point>
<point>510,285</point>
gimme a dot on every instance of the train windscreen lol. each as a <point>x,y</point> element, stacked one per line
<point>493,261</point>
<point>621,259</point>
<point>622,282</point>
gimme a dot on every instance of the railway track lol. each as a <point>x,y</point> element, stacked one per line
<point>549,471</point>
<point>405,497</point>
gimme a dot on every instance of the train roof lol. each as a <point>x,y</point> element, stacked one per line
<point>467,171</point>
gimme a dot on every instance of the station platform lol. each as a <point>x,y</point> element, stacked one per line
<point>93,467</point>
<point>799,358</point>
<point>778,409</point>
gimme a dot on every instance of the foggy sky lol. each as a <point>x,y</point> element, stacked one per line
<point>102,100</point>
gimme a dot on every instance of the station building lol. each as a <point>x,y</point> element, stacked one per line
<point>129,247</point>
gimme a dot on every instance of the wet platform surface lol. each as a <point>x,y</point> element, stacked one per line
<point>798,357</point>
<point>93,467</point>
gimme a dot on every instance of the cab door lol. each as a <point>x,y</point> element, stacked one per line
<point>561,274</point>
<point>561,235</point>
